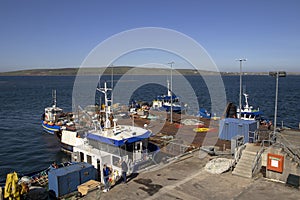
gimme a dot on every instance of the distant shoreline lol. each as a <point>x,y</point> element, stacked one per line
<point>121,71</point>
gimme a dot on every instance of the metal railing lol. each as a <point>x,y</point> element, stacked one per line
<point>257,159</point>
<point>176,148</point>
<point>238,153</point>
<point>289,149</point>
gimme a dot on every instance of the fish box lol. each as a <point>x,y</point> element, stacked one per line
<point>65,180</point>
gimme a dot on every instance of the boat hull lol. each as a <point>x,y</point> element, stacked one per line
<point>175,109</point>
<point>66,148</point>
<point>51,129</point>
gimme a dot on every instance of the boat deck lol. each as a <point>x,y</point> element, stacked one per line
<point>181,135</point>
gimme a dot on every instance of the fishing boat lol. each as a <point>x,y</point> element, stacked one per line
<point>168,102</point>
<point>203,113</point>
<point>111,143</point>
<point>139,109</point>
<point>54,118</point>
<point>247,112</point>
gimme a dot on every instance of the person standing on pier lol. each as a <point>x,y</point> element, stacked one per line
<point>106,172</point>
<point>124,171</point>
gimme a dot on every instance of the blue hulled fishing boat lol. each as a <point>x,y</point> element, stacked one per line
<point>54,118</point>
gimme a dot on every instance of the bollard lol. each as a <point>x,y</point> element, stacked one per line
<point>1,195</point>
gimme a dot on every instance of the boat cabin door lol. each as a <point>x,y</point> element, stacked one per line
<point>137,153</point>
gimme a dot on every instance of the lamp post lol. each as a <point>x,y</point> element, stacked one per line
<point>171,88</point>
<point>240,100</point>
<point>277,75</point>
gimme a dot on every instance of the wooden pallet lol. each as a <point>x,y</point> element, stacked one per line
<point>88,186</point>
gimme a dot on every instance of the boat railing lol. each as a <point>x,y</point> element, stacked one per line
<point>289,149</point>
<point>174,147</point>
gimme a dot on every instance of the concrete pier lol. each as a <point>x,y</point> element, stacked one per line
<point>186,178</point>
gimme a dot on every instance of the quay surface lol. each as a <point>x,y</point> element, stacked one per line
<point>186,179</point>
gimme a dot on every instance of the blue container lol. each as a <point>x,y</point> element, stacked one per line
<point>230,127</point>
<point>66,179</point>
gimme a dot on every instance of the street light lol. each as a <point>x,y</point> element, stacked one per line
<point>240,100</point>
<point>171,114</point>
<point>277,75</point>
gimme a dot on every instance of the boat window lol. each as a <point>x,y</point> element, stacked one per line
<point>102,146</point>
<point>138,146</point>
<point>98,169</point>
<point>145,144</point>
<point>81,157</point>
<point>89,159</point>
<point>113,150</point>
<point>127,150</point>
<point>116,161</point>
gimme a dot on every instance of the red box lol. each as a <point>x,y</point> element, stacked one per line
<point>275,162</point>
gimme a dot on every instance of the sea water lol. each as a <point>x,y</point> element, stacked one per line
<point>25,147</point>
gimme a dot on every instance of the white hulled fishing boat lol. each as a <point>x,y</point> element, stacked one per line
<point>110,143</point>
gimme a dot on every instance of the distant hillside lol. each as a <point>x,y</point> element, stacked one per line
<point>42,72</point>
<point>95,71</point>
<point>121,70</point>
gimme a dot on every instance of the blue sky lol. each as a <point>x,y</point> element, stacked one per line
<point>61,33</point>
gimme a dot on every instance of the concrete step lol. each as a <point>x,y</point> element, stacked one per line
<point>252,147</point>
<point>249,153</point>
<point>246,159</point>
<point>242,173</point>
<point>241,170</point>
<point>244,165</point>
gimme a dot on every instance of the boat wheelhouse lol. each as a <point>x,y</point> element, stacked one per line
<point>247,112</point>
<point>168,102</point>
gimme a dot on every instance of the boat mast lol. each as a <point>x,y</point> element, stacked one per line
<point>169,90</point>
<point>246,100</point>
<point>54,98</point>
<point>112,84</point>
<point>171,114</point>
<point>107,106</point>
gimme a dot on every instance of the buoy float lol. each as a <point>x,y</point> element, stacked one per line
<point>203,130</point>
<point>200,130</point>
<point>50,123</point>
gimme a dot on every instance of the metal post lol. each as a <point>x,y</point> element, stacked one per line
<point>240,99</point>
<point>275,110</point>
<point>277,75</point>
<point>171,88</point>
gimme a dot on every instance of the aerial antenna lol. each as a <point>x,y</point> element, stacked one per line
<point>54,98</point>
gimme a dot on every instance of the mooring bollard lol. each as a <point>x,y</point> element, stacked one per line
<point>1,195</point>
